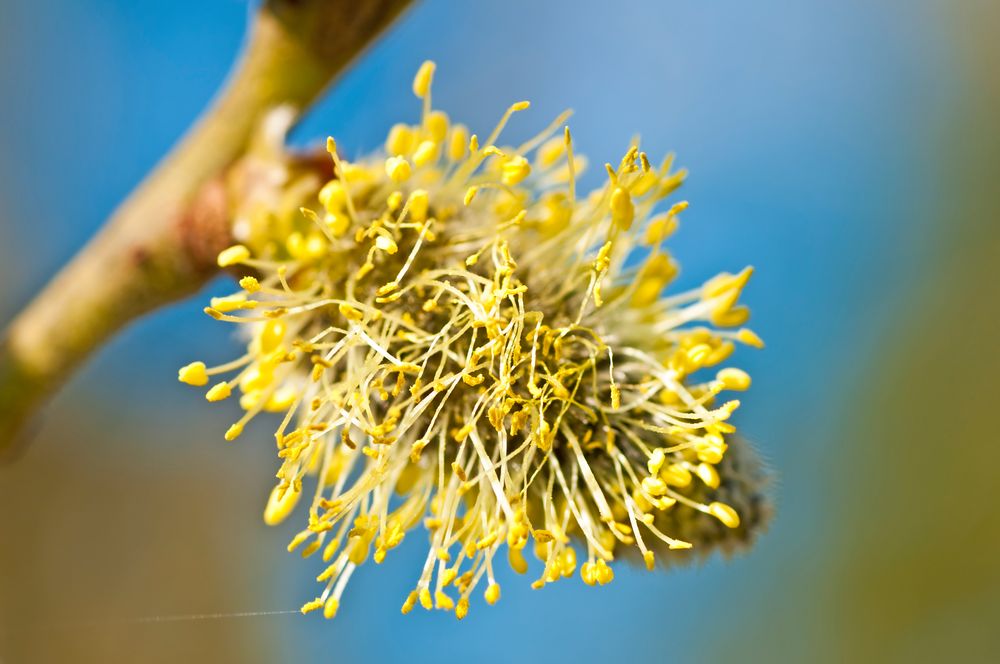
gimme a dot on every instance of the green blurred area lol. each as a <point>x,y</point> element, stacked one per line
<point>916,575</point>
<point>908,566</point>
<point>104,546</point>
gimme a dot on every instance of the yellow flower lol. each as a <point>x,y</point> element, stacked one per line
<point>484,351</point>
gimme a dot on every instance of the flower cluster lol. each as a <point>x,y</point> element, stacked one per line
<point>458,338</point>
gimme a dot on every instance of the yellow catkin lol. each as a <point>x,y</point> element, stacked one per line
<point>454,337</point>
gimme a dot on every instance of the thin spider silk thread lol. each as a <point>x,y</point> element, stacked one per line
<point>209,616</point>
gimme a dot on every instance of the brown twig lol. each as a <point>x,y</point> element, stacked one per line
<point>160,244</point>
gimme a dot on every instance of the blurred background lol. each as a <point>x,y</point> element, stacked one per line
<point>850,151</point>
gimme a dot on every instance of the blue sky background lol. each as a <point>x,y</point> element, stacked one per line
<point>810,130</point>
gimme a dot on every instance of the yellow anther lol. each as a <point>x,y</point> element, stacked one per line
<point>602,573</point>
<point>328,573</point>
<point>472,379</point>
<point>355,172</point>
<point>492,594</point>
<point>654,486</point>
<point>425,599</point>
<point>299,539</point>
<point>386,243</point>
<point>418,204</point>
<point>731,316</point>
<point>721,353</point>
<point>749,338</point>
<point>727,409</point>
<point>708,474</point>
<point>400,140</point>
<point>315,246</point>
<point>664,503</point>
<point>567,562</point>
<point>436,124</point>
<point>458,145</point>
<point>218,392</point>
<point>442,601</point>
<point>193,374</point>
<point>676,475</point>
<point>233,255</point>
<point>697,355</point>
<point>422,81</point>
<point>514,170</point>
<point>640,501</point>
<point>311,605</point>
<point>397,168</point>
<point>486,542</point>
<point>281,399</point>
<point>272,333</point>
<point>543,438</point>
<point>677,208</point>
<point>603,257</point>
<point>588,573</point>
<point>725,283</point>
<point>543,536</point>
<point>724,513</point>
<point>551,151</point>
<point>256,378</point>
<point>295,243</point>
<point>448,576</point>
<point>649,559</point>
<point>710,448</point>
<point>470,193</point>
<point>411,601</point>
<point>357,550</point>
<point>330,608</point>
<point>385,289</point>
<point>555,213</point>
<point>520,106</point>
<point>250,284</point>
<point>660,228</point>
<point>330,549</point>
<point>426,153</point>
<point>655,461</point>
<point>462,609</point>
<point>233,432</point>
<point>280,504</point>
<point>416,449</point>
<point>734,379</point>
<point>644,183</point>
<point>331,145</point>
<point>350,313</point>
<point>622,209</point>
<point>333,196</point>
<point>517,561</point>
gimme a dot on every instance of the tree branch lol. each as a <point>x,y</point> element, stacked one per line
<point>160,244</point>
